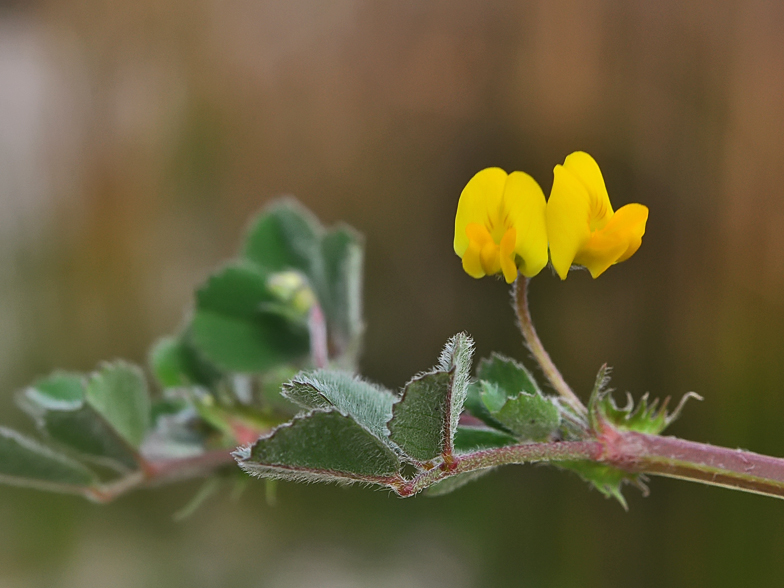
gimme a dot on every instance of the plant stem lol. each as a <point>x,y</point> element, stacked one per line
<point>317,328</point>
<point>636,453</point>
<point>155,472</point>
<point>488,458</point>
<point>520,295</point>
<point>697,462</point>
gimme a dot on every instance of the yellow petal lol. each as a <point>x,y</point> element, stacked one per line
<point>631,219</point>
<point>508,266</point>
<point>525,209</point>
<point>599,253</point>
<point>482,194</point>
<point>491,261</point>
<point>472,263</point>
<point>616,242</point>
<point>567,219</point>
<point>586,170</point>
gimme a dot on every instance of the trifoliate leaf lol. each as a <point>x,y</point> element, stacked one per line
<point>320,446</point>
<point>288,237</point>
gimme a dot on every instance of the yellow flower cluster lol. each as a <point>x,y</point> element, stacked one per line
<point>503,224</point>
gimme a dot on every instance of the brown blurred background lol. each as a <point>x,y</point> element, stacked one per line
<point>137,138</point>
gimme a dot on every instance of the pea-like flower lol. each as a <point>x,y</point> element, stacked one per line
<point>581,226</point>
<point>500,225</point>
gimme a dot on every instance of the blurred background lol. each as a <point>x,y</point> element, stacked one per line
<point>137,138</point>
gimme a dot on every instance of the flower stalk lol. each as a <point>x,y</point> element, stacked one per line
<point>520,297</point>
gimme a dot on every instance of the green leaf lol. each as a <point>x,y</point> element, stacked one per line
<point>234,327</point>
<point>475,438</point>
<point>60,391</point>
<point>167,362</point>
<point>420,422</point>
<point>118,392</point>
<point>506,373</point>
<point>175,362</point>
<point>24,462</point>
<point>456,358</point>
<point>320,446</point>
<point>424,421</point>
<point>449,485</point>
<point>532,417</point>
<point>368,404</point>
<point>59,406</point>
<point>493,397</point>
<point>343,252</point>
<point>285,236</point>
<point>476,407</point>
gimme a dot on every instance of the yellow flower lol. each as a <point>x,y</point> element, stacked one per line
<point>581,226</point>
<point>500,225</point>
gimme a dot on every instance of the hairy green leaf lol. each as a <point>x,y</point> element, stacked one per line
<point>493,397</point>
<point>532,417</point>
<point>322,446</point>
<point>476,407</point>
<point>421,420</point>
<point>236,326</point>
<point>507,374</point>
<point>424,421</point>
<point>285,236</point>
<point>24,462</point>
<point>370,405</point>
<point>456,358</point>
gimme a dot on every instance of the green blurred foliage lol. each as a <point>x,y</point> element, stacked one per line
<point>137,139</point>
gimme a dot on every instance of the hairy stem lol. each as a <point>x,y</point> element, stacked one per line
<point>488,458</point>
<point>520,295</point>
<point>636,453</point>
<point>697,462</point>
